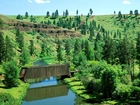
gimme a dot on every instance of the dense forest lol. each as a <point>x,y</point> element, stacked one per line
<point>105,50</point>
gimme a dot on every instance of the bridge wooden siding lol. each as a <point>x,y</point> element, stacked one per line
<point>44,71</point>
<point>46,92</point>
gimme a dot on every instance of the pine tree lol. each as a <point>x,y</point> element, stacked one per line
<point>20,39</point>
<point>138,47</point>
<point>136,12</point>
<point>98,50</point>
<point>11,74</point>
<point>43,50</point>
<point>31,47</point>
<point>24,57</point>
<point>67,12</point>
<point>9,53</point>
<point>59,51</point>
<point>91,31</point>
<point>89,51</point>
<point>47,14</point>
<point>77,12</point>
<point>67,47</point>
<point>2,48</point>
<point>90,11</point>
<point>56,13</point>
<point>26,15</point>
<point>77,46</point>
<point>109,51</point>
<point>1,24</point>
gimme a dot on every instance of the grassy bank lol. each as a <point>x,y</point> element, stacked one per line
<point>17,93</point>
<point>78,88</point>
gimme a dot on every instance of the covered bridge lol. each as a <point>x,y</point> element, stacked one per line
<point>44,71</point>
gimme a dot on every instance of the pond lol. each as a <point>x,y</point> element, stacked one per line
<point>50,92</point>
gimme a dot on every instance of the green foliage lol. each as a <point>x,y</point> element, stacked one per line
<point>93,85</point>
<point>26,15</point>
<point>136,82</point>
<point>19,17</point>
<point>89,51</point>
<point>24,57</point>
<point>9,53</point>
<point>79,59</point>
<point>2,47</point>
<point>31,47</point>
<point>138,46</point>
<point>7,99</point>
<point>59,51</point>
<point>98,68</point>
<point>108,81</point>
<point>11,72</point>
<point>122,92</point>
<point>125,78</point>
<point>20,39</point>
<point>135,92</point>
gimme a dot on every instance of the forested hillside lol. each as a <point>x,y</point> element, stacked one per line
<point>104,49</point>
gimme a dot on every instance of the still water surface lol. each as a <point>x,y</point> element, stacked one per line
<point>49,92</point>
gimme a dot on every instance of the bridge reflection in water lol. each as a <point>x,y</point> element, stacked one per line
<point>46,92</point>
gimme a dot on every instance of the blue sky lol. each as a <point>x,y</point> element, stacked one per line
<point>40,7</point>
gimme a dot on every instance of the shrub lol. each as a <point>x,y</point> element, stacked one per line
<point>126,79</point>
<point>92,85</point>
<point>135,92</point>
<point>122,92</point>
<point>108,81</point>
<point>136,82</point>
<point>7,99</point>
<point>11,74</point>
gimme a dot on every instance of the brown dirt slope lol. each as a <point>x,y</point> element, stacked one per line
<point>40,28</point>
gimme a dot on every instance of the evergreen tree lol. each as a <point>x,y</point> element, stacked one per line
<point>98,50</point>
<point>108,81</point>
<point>56,13</point>
<point>11,74</point>
<point>91,31</point>
<point>2,48</point>
<point>59,51</point>
<point>24,57</point>
<point>43,50</point>
<point>77,46</point>
<point>47,14</point>
<point>136,13</point>
<point>79,59</point>
<point>90,11</point>
<point>131,12</point>
<point>138,48</point>
<point>31,47</point>
<point>89,51</point>
<point>77,12</point>
<point>120,14</point>
<point>9,53</point>
<point>109,51</point>
<point>26,15</point>
<point>19,17</point>
<point>67,12</point>
<point>67,47</point>
<point>20,39</point>
<point>1,24</point>
<point>126,51</point>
